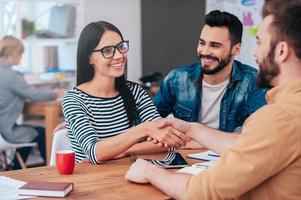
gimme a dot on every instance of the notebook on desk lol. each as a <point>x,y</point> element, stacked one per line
<point>47,189</point>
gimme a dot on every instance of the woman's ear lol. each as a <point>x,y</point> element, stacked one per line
<point>91,60</point>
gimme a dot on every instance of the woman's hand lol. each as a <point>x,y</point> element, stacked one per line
<point>59,127</point>
<point>165,135</point>
<point>122,155</point>
<point>86,160</point>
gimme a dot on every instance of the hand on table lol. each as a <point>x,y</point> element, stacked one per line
<point>139,171</point>
<point>85,160</point>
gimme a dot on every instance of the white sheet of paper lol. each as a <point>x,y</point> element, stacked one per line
<point>196,168</point>
<point>191,170</point>
<point>9,188</point>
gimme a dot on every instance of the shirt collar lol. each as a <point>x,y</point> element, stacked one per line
<point>4,65</point>
<point>282,91</point>
<point>236,73</point>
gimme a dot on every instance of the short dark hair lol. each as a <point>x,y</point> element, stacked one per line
<point>286,25</point>
<point>225,19</point>
<point>88,41</point>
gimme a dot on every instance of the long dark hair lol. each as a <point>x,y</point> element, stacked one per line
<point>88,40</point>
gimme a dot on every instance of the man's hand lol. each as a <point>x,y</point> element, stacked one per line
<point>172,184</point>
<point>180,125</point>
<point>193,145</point>
<point>140,171</point>
<point>166,135</point>
<point>179,128</point>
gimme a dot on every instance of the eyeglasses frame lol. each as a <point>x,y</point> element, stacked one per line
<point>115,47</point>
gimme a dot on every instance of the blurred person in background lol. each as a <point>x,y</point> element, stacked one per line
<point>14,92</point>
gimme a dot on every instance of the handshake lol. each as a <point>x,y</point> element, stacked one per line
<point>169,132</point>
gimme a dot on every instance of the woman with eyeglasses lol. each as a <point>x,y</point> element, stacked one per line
<point>103,112</point>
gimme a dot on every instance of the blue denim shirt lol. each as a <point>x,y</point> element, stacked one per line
<point>180,95</point>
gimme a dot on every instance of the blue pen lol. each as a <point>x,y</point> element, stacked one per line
<point>211,154</point>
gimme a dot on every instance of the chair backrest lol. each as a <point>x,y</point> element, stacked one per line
<point>10,148</point>
<point>4,145</point>
<point>60,141</point>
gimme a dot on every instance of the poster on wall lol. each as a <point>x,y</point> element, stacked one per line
<point>249,12</point>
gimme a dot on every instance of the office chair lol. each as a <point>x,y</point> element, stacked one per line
<point>4,146</point>
<point>60,141</point>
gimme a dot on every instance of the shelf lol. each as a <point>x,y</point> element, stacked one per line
<point>47,41</point>
<point>55,1</point>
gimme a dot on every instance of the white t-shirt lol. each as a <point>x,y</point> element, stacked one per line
<point>211,100</point>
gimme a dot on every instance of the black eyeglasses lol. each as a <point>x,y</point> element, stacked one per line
<point>109,51</point>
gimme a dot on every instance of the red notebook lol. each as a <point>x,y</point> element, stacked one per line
<point>48,189</point>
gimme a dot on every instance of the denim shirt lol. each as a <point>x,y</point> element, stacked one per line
<point>180,95</point>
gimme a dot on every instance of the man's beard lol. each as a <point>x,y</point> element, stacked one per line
<point>221,63</point>
<point>268,69</point>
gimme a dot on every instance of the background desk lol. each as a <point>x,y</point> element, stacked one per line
<point>104,181</point>
<point>51,111</point>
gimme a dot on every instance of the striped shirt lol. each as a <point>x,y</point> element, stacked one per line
<point>90,119</point>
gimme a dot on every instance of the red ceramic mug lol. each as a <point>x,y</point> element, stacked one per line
<point>65,161</point>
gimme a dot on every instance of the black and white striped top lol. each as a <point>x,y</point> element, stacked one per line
<point>90,119</point>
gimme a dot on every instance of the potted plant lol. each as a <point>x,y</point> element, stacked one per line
<point>28,28</point>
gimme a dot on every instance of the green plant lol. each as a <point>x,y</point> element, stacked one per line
<point>28,28</point>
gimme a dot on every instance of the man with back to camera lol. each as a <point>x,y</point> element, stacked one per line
<point>218,91</point>
<point>265,161</point>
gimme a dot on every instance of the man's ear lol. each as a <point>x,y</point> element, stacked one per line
<point>282,51</point>
<point>236,49</point>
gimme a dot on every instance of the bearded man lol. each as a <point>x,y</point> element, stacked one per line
<point>218,91</point>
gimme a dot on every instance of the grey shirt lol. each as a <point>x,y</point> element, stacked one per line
<point>14,91</point>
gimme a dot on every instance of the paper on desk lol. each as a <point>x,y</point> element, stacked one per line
<point>196,168</point>
<point>9,188</point>
<point>206,155</point>
<point>191,170</point>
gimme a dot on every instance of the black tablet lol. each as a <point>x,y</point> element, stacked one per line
<point>172,160</point>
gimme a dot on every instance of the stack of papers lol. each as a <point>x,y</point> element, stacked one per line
<point>207,156</point>
<point>196,168</point>
<point>9,188</point>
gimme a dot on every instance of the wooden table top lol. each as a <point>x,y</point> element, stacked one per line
<point>103,181</point>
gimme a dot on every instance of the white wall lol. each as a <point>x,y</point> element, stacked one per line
<point>126,15</point>
<point>249,12</point>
